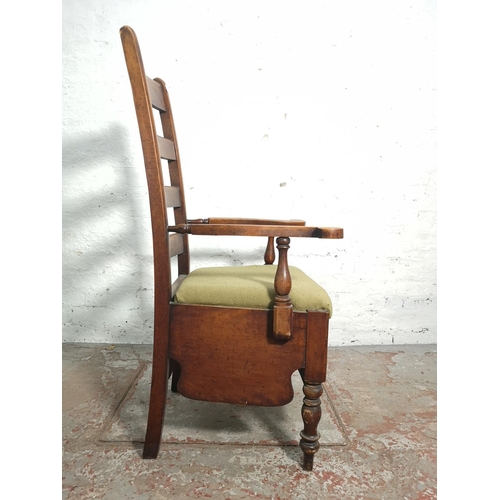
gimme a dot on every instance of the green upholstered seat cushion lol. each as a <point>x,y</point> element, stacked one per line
<point>249,286</point>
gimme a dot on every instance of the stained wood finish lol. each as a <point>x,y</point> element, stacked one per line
<point>317,347</point>
<point>176,244</point>
<point>156,94</point>
<point>166,148</point>
<point>283,309</point>
<point>248,221</point>
<point>161,256</point>
<point>269,255</point>
<point>311,415</point>
<point>231,355</point>
<point>175,172</point>
<point>313,375</point>
<point>258,230</point>
<point>173,197</point>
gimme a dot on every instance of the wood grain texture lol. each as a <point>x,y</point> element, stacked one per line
<point>175,173</point>
<point>173,196</point>
<point>159,223</point>
<point>311,415</point>
<point>317,347</point>
<point>166,147</point>
<point>249,221</point>
<point>258,230</point>
<point>176,244</point>
<point>283,308</point>
<point>229,355</point>
<point>156,94</point>
<point>269,254</point>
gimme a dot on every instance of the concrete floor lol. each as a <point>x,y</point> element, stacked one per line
<point>378,432</point>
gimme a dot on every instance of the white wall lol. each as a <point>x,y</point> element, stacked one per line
<point>323,111</point>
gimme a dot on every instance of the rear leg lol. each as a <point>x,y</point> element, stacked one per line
<point>157,402</point>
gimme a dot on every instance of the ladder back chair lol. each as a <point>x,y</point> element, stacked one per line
<point>225,334</point>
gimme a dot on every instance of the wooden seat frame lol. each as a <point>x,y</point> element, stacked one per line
<point>213,353</point>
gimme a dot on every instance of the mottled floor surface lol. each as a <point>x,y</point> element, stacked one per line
<point>378,432</point>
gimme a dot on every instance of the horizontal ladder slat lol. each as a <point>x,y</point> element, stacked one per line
<point>173,196</point>
<point>167,149</point>
<point>176,244</point>
<point>156,94</point>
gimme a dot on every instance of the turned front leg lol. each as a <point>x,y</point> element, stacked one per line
<point>311,415</point>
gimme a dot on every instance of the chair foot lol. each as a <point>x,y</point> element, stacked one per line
<point>153,435</point>
<point>150,450</point>
<point>311,415</point>
<point>157,403</point>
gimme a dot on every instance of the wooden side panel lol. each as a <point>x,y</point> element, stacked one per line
<point>317,347</point>
<point>229,355</point>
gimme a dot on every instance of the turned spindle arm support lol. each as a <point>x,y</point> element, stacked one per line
<point>283,308</point>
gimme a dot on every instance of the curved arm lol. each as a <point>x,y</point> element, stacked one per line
<point>256,222</point>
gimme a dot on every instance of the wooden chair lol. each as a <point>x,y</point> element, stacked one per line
<point>229,334</point>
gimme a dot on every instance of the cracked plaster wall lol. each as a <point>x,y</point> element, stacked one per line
<point>323,111</point>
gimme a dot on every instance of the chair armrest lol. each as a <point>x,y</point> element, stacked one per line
<point>259,230</point>
<point>248,221</point>
<point>256,222</point>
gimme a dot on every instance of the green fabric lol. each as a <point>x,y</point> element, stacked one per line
<point>249,286</point>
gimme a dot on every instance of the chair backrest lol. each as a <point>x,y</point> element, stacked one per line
<point>151,96</point>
